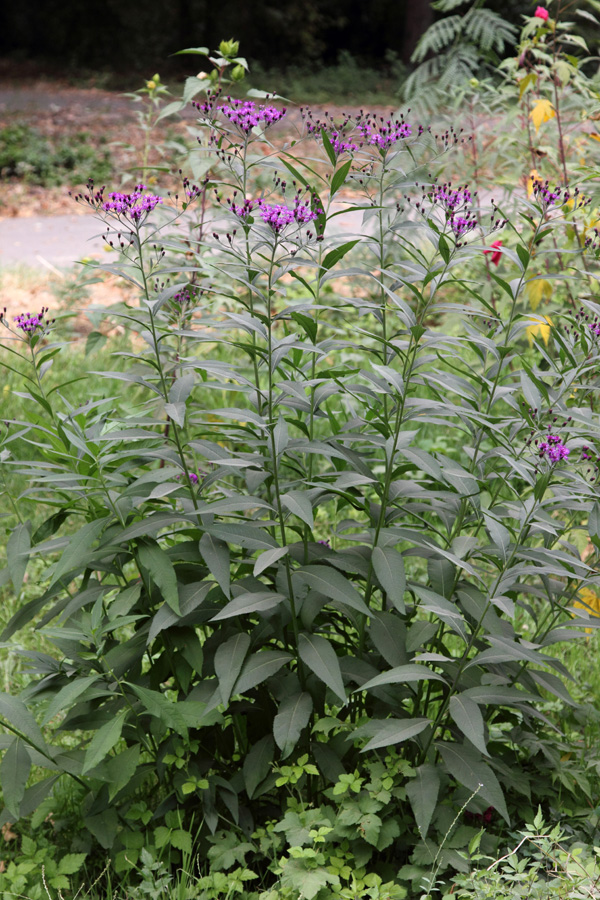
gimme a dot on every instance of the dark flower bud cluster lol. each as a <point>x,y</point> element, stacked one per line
<point>585,319</point>
<point>548,197</point>
<point>194,477</point>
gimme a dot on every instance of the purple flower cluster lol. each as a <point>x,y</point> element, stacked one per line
<point>451,199</point>
<point>385,135</point>
<point>243,114</point>
<point>354,132</point>
<point>194,477</point>
<point>278,216</point>
<point>461,225</point>
<point>542,192</point>
<point>30,322</point>
<point>135,205</point>
<point>553,448</point>
<point>242,210</point>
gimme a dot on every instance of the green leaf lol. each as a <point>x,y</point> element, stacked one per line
<point>181,388</point>
<point>14,772</point>
<point>293,715</point>
<point>160,568</point>
<point>467,716</point>
<point>259,601</point>
<point>229,660</point>
<point>104,827</point>
<point>68,695</point>
<point>267,559</point>
<point>103,741</point>
<point>162,708</point>
<point>77,550</point>
<point>388,566</point>
<point>258,667</point>
<point>388,633</point>
<point>71,863</point>
<point>402,675</point>
<point>422,791</point>
<point>250,536</point>
<point>339,177</point>
<point>216,556</point>
<point>15,714</point>
<point>17,554</point>
<point>390,731</point>
<point>328,147</point>
<point>320,657</point>
<point>464,763</point>
<point>118,770</point>
<point>95,341</point>
<point>336,254</point>
<point>334,585</point>
<point>299,504</point>
<point>257,763</point>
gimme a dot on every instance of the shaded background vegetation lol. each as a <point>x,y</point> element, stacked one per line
<point>110,35</point>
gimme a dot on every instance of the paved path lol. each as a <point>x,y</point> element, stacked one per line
<point>49,241</point>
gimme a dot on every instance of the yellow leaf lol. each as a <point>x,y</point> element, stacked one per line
<point>590,602</point>
<point>534,175</point>
<point>537,290</point>
<point>524,83</point>
<point>596,137</point>
<point>541,327</point>
<point>542,112</point>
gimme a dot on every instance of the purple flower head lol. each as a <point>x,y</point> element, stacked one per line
<point>242,210</point>
<point>553,448</point>
<point>325,544</point>
<point>194,477</point>
<point>461,225</point>
<point>542,193</point>
<point>449,198</point>
<point>135,205</point>
<point>183,296</point>
<point>29,323</point>
<point>246,114</point>
<point>384,135</point>
<point>278,216</point>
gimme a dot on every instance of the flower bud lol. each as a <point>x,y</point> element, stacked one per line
<point>238,73</point>
<point>151,85</point>
<point>229,48</point>
<point>202,75</point>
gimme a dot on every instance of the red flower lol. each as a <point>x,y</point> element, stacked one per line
<point>541,13</point>
<point>495,251</point>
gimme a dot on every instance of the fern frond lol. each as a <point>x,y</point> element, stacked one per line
<point>462,64</point>
<point>487,30</point>
<point>437,37</point>
<point>447,5</point>
<point>422,76</point>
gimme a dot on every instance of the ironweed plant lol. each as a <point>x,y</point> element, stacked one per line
<point>299,628</point>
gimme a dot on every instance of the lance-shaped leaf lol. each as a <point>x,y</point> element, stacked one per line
<point>388,566</point>
<point>293,715</point>
<point>320,657</point>
<point>403,675</point>
<point>464,763</point>
<point>259,601</point>
<point>78,549</point>
<point>257,763</point>
<point>258,667</point>
<point>216,556</point>
<point>103,741</point>
<point>159,706</point>
<point>14,772</point>
<point>390,731</point>
<point>16,716</point>
<point>467,716</point>
<point>334,585</point>
<point>299,504</point>
<point>17,554</point>
<point>229,660</point>
<point>422,791</point>
<point>160,568</point>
